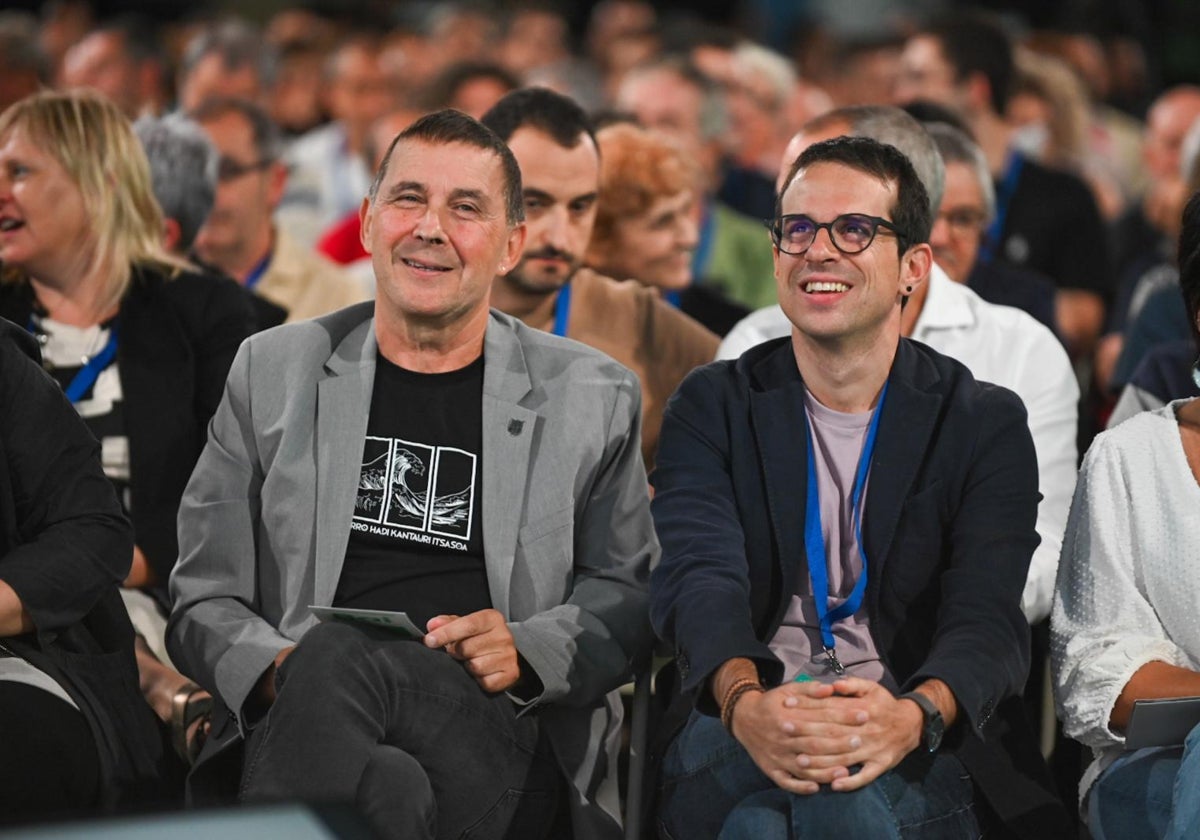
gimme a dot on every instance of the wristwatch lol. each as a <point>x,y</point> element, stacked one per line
<point>935,727</point>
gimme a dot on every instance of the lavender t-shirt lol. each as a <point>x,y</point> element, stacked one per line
<point>837,444</point>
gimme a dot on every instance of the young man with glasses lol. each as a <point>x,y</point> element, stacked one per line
<point>847,518</point>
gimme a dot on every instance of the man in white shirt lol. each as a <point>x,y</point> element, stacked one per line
<point>998,344</point>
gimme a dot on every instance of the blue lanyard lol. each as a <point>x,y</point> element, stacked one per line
<point>814,538</point>
<point>1008,186</point>
<point>562,310</point>
<point>257,272</point>
<point>673,297</point>
<point>86,376</point>
<point>704,245</point>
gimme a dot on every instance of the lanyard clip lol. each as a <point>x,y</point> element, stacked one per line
<point>834,662</point>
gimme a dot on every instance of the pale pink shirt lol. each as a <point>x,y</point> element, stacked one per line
<point>837,443</point>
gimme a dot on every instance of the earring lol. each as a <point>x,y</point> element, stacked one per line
<point>908,289</point>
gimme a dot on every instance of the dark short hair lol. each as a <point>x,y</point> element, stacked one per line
<point>537,107</point>
<point>974,43</point>
<point>1189,263</point>
<point>268,140</point>
<point>911,213</point>
<point>450,126</point>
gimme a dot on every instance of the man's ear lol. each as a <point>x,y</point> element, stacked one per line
<point>915,265</point>
<point>514,247</point>
<point>364,224</point>
<point>171,234</point>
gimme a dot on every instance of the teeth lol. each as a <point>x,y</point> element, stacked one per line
<point>826,287</point>
<point>9,224</point>
<point>423,266</point>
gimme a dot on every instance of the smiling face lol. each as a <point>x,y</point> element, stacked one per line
<point>656,246</point>
<point>830,296</point>
<point>560,187</point>
<point>44,224</point>
<point>437,234</point>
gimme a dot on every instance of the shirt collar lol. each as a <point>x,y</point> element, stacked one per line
<point>946,305</point>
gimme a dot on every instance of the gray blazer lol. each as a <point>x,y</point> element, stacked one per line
<point>567,535</point>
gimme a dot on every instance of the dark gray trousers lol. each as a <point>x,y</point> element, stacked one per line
<point>404,733</point>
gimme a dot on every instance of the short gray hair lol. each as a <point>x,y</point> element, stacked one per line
<point>183,170</point>
<point>239,44</point>
<point>956,147</point>
<point>890,125</point>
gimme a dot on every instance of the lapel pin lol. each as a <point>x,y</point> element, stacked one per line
<point>515,427</point>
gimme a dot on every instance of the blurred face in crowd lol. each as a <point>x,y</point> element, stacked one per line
<point>237,233</point>
<point>476,96</point>
<point>665,101</point>
<point>359,91</point>
<point>560,191</point>
<point>211,79</point>
<point>656,246</point>
<point>45,229</point>
<point>437,234</point>
<point>959,223</point>
<point>925,73</point>
<point>100,62</point>
<point>1166,126</point>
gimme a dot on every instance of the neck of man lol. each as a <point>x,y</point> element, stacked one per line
<point>995,138</point>
<point>533,308</point>
<point>847,375</point>
<point>430,346</point>
<point>264,247</point>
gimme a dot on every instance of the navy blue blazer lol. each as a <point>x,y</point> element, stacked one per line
<point>948,528</point>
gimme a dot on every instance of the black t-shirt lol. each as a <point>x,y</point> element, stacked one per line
<point>416,540</point>
<point>1052,226</point>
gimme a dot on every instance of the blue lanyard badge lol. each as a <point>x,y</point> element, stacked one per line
<point>814,538</point>
<point>87,375</point>
<point>562,310</point>
<point>1008,186</point>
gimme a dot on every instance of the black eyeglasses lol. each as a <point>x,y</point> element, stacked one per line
<point>228,169</point>
<point>851,233</point>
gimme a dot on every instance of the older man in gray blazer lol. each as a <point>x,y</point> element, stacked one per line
<point>423,454</point>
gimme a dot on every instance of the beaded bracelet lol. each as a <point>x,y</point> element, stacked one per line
<point>732,695</point>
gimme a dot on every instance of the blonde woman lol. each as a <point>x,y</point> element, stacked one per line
<point>139,340</point>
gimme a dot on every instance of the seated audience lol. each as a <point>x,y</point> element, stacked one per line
<point>550,289</point>
<point>1124,622</point>
<point>851,649</point>
<point>76,734</point>
<point>646,224</point>
<point>140,341</point>
<point>240,237</point>
<point>508,519</point>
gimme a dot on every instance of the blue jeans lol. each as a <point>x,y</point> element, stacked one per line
<point>1149,793</point>
<point>712,788</point>
<point>406,734</point>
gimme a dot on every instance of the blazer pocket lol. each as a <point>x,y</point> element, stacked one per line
<point>539,528</point>
<point>543,573</point>
<point>917,552</point>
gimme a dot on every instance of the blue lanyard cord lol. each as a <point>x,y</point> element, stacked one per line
<point>704,244</point>
<point>256,273</point>
<point>814,536</point>
<point>1008,186</point>
<point>562,310</point>
<point>86,377</point>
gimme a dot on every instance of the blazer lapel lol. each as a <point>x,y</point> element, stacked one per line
<point>343,406</point>
<point>508,430</point>
<point>779,426</point>
<point>909,415</point>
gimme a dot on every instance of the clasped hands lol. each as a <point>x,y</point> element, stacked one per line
<point>804,735</point>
